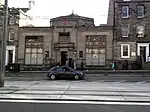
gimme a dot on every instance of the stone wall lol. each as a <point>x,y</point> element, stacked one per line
<point>47,35</point>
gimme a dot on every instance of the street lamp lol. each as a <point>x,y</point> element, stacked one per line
<point>3,45</point>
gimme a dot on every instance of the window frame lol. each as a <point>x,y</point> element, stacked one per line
<point>12,21</point>
<point>137,32</point>
<point>127,11</point>
<point>31,47</point>
<point>122,56</point>
<point>128,30</point>
<point>9,38</point>
<point>143,11</point>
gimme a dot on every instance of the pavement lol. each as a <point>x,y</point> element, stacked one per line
<point>99,71</point>
<point>63,90</point>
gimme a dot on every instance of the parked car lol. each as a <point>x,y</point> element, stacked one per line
<point>65,73</point>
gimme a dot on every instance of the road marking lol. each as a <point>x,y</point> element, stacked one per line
<point>77,102</point>
<point>141,82</point>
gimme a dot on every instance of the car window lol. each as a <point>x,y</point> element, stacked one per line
<point>53,69</point>
<point>68,69</point>
<point>59,69</point>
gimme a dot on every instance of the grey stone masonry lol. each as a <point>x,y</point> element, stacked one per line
<point>133,21</point>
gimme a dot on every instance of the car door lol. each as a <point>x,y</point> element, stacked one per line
<point>68,72</point>
<point>60,72</point>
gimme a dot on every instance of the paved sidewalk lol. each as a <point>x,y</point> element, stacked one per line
<point>97,71</point>
<point>76,90</point>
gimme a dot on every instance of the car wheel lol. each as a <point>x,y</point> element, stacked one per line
<point>76,77</point>
<point>52,77</point>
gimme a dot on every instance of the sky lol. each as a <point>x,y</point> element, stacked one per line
<point>44,10</point>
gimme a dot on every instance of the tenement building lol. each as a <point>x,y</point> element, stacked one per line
<point>131,22</point>
<point>13,30</point>
<point>70,36</point>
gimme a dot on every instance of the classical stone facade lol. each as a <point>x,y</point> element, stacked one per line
<point>70,36</point>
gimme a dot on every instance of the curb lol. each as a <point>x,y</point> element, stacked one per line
<point>36,99</point>
<point>93,71</point>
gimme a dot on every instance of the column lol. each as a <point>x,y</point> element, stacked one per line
<point>6,60</point>
<point>147,52</point>
<point>14,54</point>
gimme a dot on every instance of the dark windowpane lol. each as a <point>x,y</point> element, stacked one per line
<point>59,69</point>
<point>46,54</point>
<point>125,11</point>
<point>64,34</point>
<point>81,54</point>
<point>125,53</point>
<point>140,11</point>
<point>67,69</point>
<point>125,50</point>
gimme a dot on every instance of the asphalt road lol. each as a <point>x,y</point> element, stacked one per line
<point>74,96</point>
<point>76,90</point>
<point>69,107</point>
<point>88,77</point>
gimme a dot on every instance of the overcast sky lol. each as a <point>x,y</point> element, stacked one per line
<point>46,9</point>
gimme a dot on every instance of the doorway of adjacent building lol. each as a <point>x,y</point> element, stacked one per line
<point>143,53</point>
<point>63,57</point>
<point>10,56</point>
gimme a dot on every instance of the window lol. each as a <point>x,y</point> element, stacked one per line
<point>67,69</point>
<point>12,21</point>
<point>59,69</point>
<point>34,56</point>
<point>34,50</point>
<point>125,30</point>
<point>81,54</point>
<point>140,11</point>
<point>64,37</point>
<point>46,54</point>
<point>140,31</point>
<point>125,11</point>
<point>11,36</point>
<point>88,50</point>
<point>125,51</point>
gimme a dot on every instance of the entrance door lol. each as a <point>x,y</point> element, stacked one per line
<point>143,53</point>
<point>10,56</point>
<point>63,57</point>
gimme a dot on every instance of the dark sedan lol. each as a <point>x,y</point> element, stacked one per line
<point>64,72</point>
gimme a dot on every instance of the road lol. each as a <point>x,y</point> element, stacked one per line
<point>25,106</point>
<point>74,96</point>
<point>76,90</point>
<point>132,77</point>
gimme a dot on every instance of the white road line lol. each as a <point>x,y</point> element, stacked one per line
<point>77,102</point>
<point>141,82</point>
